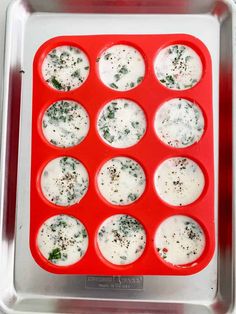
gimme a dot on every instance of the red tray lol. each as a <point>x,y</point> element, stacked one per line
<point>150,210</point>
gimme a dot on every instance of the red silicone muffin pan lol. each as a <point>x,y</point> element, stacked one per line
<point>150,210</point>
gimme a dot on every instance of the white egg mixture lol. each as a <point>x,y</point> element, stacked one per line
<point>121,123</point>
<point>121,181</point>
<point>64,181</point>
<point>178,67</point>
<point>121,67</point>
<point>65,123</point>
<point>179,181</point>
<point>62,240</point>
<point>180,240</point>
<point>179,123</point>
<point>121,239</point>
<point>65,68</point>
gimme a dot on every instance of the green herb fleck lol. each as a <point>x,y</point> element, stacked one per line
<point>55,254</point>
<point>84,233</point>
<point>113,85</point>
<point>107,136</point>
<point>55,83</point>
<point>123,69</point>
<point>132,197</point>
<point>139,80</point>
<point>170,79</point>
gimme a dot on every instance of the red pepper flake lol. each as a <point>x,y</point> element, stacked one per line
<point>165,250</point>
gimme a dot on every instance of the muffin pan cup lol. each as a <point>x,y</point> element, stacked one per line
<point>150,210</point>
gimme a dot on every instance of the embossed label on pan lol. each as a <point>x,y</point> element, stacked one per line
<point>114,282</point>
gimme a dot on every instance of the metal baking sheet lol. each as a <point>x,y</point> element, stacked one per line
<point>24,286</point>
